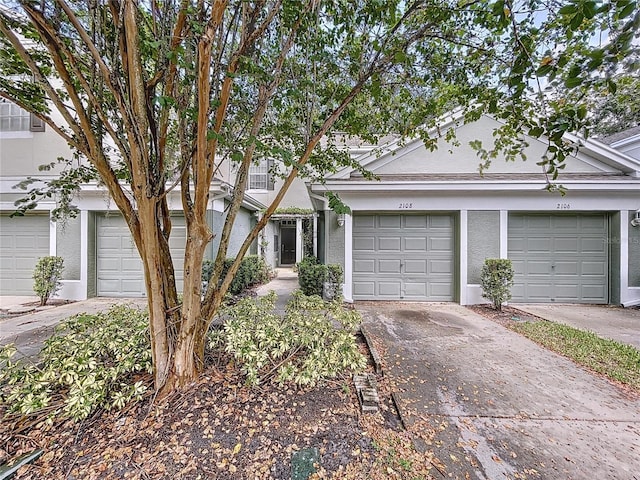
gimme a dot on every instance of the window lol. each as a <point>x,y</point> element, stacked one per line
<point>259,177</point>
<point>15,119</point>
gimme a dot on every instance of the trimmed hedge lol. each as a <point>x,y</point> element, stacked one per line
<point>253,271</point>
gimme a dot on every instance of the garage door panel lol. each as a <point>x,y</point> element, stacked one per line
<point>364,266</point>
<point>389,288</point>
<point>415,244</point>
<point>593,245</point>
<point>389,244</point>
<point>389,266</point>
<point>364,244</point>
<point>364,288</point>
<point>415,221</point>
<point>562,258</point>
<point>410,252</point>
<point>594,268</point>
<point>364,221</point>
<point>389,221</point>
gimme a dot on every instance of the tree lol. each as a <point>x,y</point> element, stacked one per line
<point>159,95</point>
<point>619,110</point>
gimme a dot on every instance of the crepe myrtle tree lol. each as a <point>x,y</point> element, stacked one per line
<point>159,95</point>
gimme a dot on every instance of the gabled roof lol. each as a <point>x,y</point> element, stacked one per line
<point>618,137</point>
<point>402,157</point>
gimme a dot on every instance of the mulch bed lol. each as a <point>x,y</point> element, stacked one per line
<point>218,429</point>
<point>506,317</point>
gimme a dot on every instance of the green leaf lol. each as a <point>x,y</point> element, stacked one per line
<point>576,21</point>
<point>589,10</point>
<point>568,9</point>
<point>628,10</point>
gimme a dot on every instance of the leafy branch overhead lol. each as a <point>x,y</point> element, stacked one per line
<point>161,98</point>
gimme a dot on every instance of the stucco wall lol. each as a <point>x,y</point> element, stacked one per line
<point>634,254</point>
<point>68,238</point>
<point>242,226</point>
<point>334,246</point>
<point>483,241</point>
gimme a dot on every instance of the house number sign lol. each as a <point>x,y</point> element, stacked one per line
<point>563,206</point>
<point>404,205</point>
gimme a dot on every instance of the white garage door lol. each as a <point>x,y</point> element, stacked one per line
<point>119,268</point>
<point>559,258</point>
<point>403,257</point>
<point>22,241</point>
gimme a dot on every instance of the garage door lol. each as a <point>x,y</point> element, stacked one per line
<point>119,269</point>
<point>22,241</point>
<point>403,257</point>
<point>559,258</point>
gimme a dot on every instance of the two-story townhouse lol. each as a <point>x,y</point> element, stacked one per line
<point>99,254</point>
<point>423,230</point>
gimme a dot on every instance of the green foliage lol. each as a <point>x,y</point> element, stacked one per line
<point>334,279</point>
<point>336,204</point>
<point>311,276</point>
<point>293,211</point>
<point>617,361</point>
<point>314,340</point>
<point>253,271</point>
<point>496,279</point>
<point>46,277</point>
<point>91,362</point>
<point>619,110</point>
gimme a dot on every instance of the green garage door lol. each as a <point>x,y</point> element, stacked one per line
<point>559,258</point>
<point>119,268</point>
<point>22,241</point>
<point>403,257</point>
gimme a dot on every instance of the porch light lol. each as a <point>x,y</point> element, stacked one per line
<point>341,220</point>
<point>635,222</point>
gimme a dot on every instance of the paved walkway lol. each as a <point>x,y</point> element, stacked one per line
<point>283,284</point>
<point>616,323</point>
<point>503,407</point>
<point>28,331</point>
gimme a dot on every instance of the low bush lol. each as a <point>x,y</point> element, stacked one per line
<point>311,276</point>
<point>333,285</point>
<point>46,277</point>
<point>91,362</point>
<point>253,271</point>
<point>313,341</point>
<point>496,279</point>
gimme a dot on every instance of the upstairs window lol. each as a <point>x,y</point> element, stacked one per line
<point>259,176</point>
<point>15,119</point>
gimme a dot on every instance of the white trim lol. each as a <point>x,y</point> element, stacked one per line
<point>606,154</point>
<point>315,234</point>
<point>504,234</point>
<point>299,245</point>
<point>53,240</point>
<point>348,258</point>
<point>625,141</point>
<point>624,255</point>
<point>462,255</point>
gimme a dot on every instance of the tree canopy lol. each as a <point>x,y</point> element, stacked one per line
<point>157,96</point>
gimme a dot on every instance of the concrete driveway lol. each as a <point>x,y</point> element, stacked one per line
<point>616,323</point>
<point>503,407</point>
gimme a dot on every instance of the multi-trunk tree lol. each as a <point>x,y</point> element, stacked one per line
<point>157,96</point>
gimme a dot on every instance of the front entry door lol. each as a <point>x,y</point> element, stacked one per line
<point>287,246</point>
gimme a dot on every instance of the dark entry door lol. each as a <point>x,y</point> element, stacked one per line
<point>287,246</point>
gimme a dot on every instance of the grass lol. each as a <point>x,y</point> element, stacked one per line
<point>615,360</point>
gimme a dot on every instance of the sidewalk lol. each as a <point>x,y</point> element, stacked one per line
<point>284,284</point>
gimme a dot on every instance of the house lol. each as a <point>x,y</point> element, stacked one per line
<point>423,230</point>
<point>99,254</point>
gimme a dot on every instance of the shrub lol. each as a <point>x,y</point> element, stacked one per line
<point>313,341</point>
<point>334,279</point>
<point>496,280</point>
<point>91,362</point>
<point>311,276</point>
<point>46,277</point>
<point>253,270</point>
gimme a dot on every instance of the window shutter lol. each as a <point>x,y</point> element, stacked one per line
<point>36,124</point>
<point>270,182</point>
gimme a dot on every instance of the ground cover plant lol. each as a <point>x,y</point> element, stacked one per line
<point>615,360</point>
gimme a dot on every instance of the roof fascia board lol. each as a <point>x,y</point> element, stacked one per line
<point>607,155</point>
